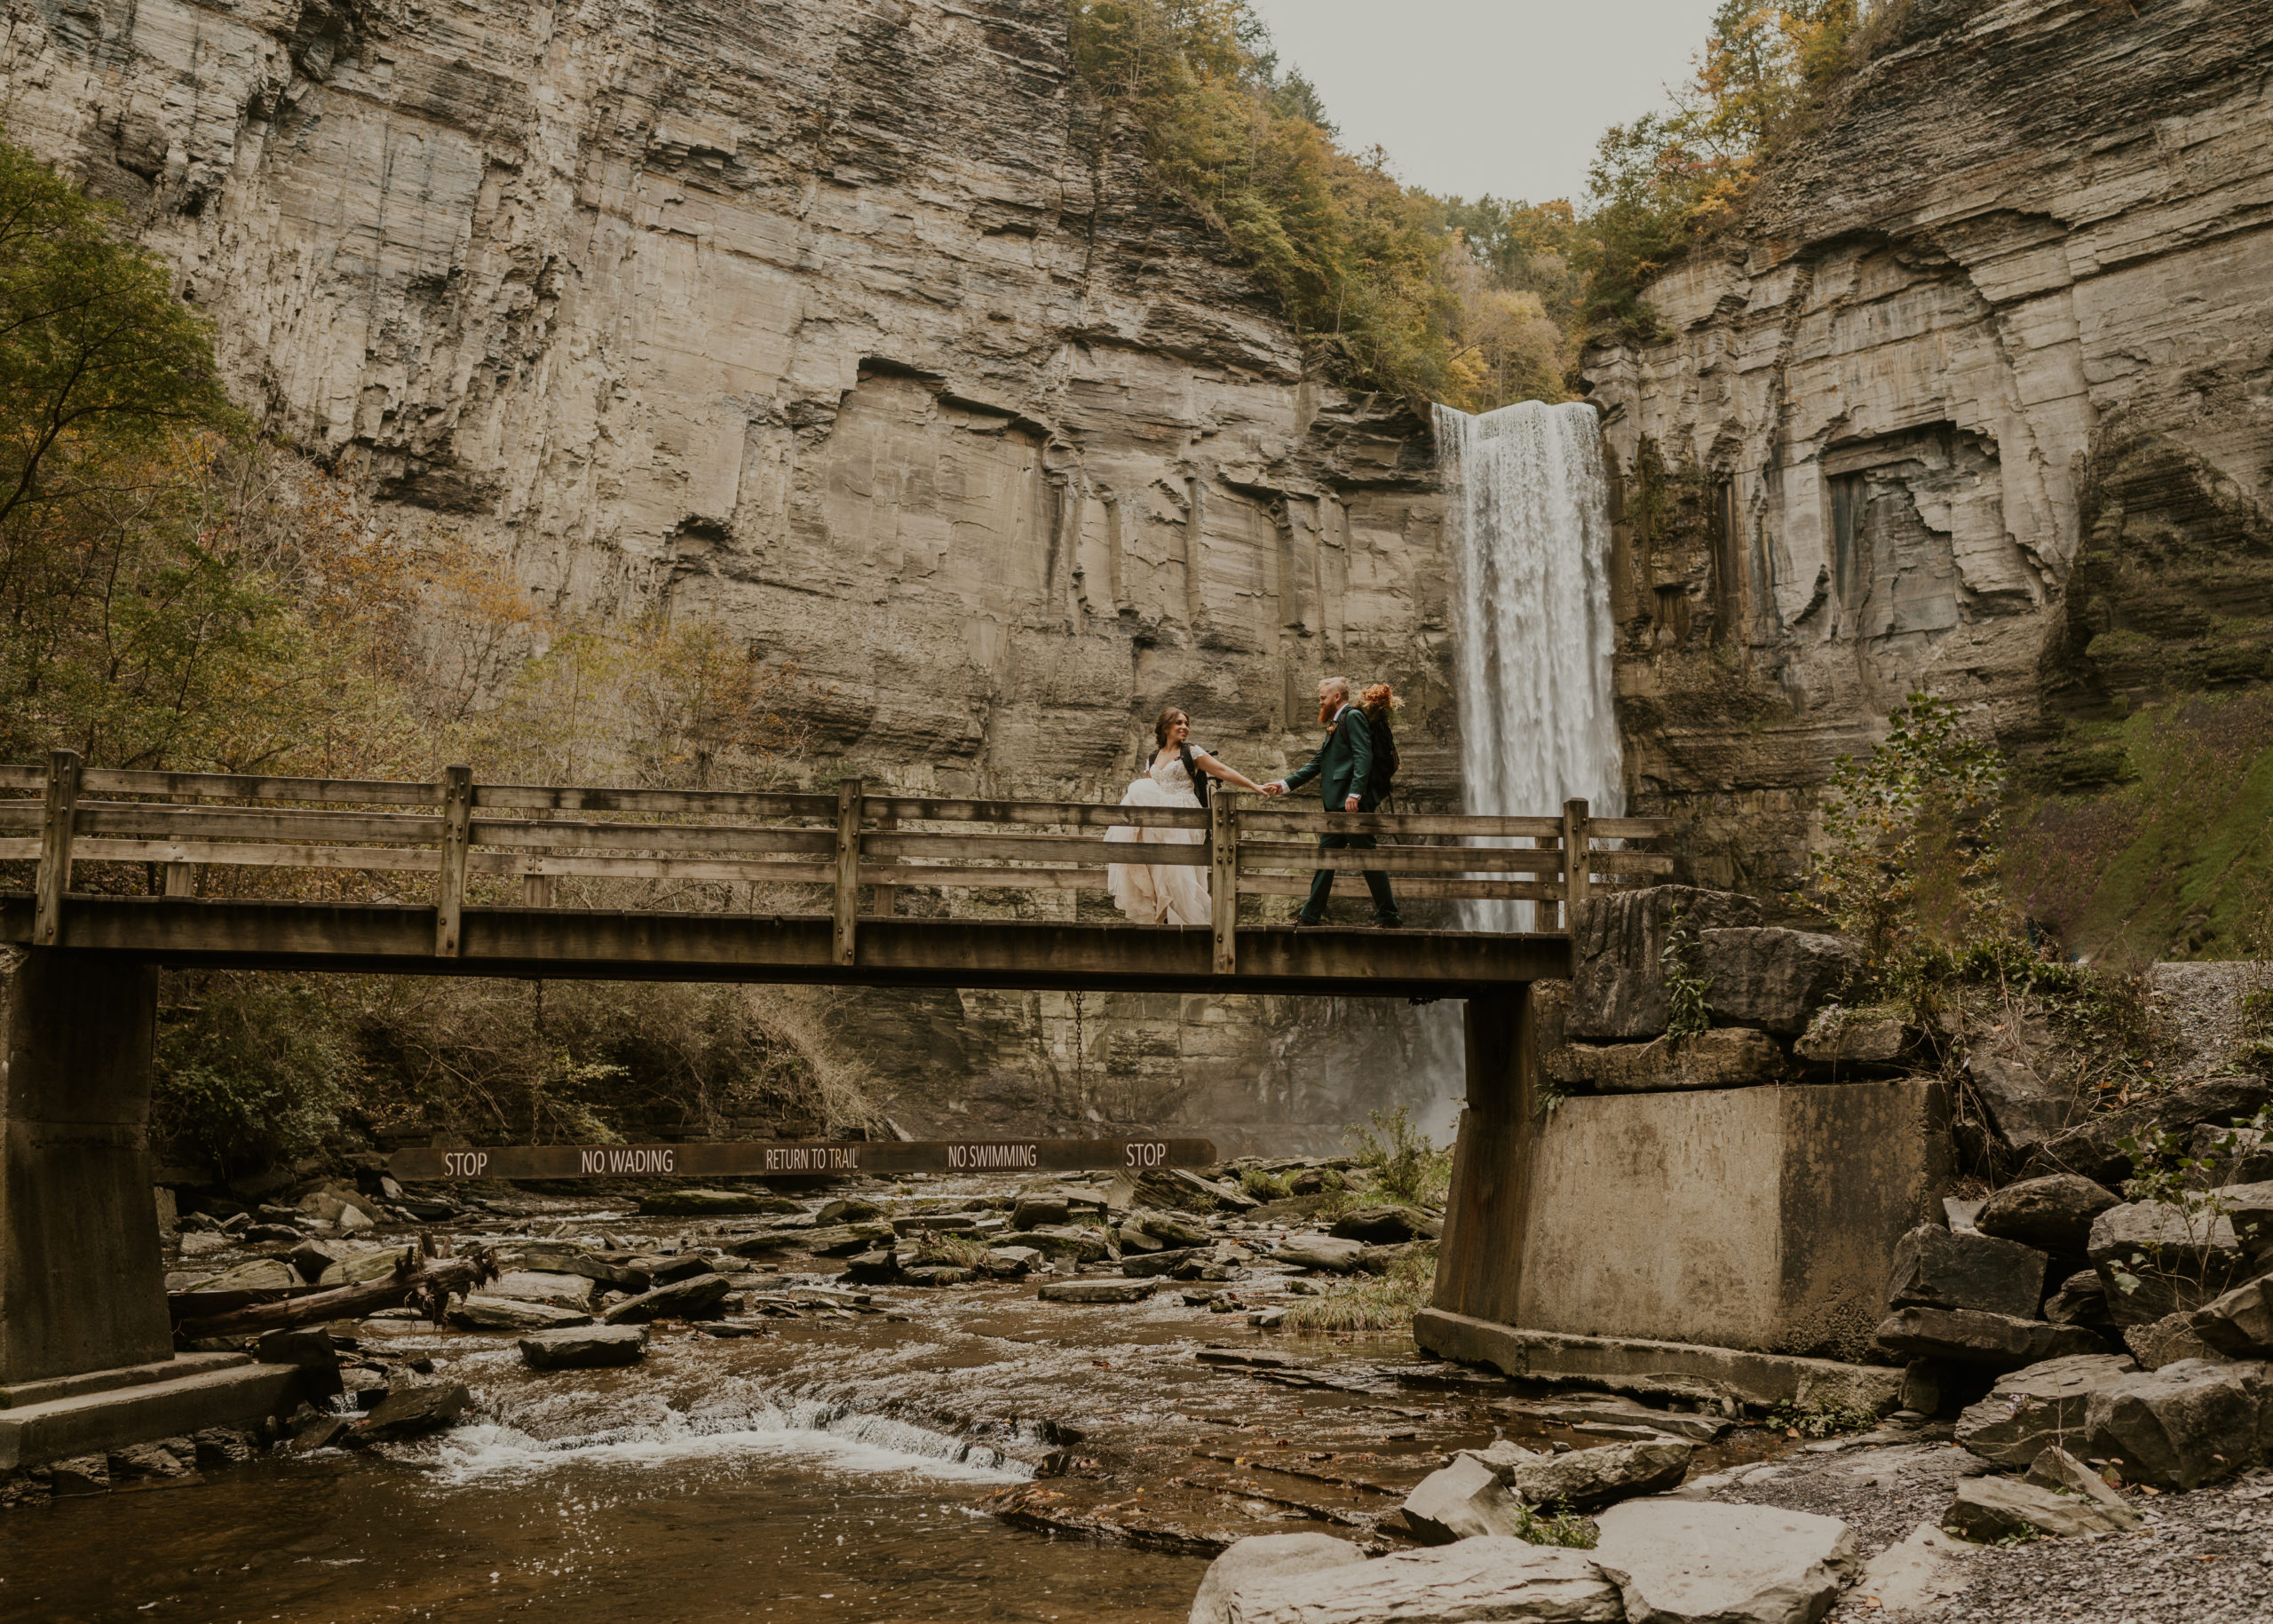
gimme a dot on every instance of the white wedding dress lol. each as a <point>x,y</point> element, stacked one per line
<point>1154,893</point>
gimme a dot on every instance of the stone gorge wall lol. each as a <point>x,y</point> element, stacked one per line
<point>1979,399</point>
<point>842,321</point>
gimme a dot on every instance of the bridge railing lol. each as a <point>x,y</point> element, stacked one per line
<point>846,854</point>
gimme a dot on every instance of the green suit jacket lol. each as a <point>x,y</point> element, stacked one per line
<point>1345,763</point>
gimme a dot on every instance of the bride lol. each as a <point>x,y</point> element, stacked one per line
<point>1156,893</point>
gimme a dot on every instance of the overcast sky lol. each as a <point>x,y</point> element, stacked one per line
<point>1498,95</point>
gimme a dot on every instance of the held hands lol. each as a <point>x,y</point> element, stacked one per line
<point>1276,787</point>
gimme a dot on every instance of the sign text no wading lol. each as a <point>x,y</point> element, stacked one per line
<point>799,1157</point>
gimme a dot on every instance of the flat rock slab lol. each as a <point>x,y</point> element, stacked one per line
<point>598,1347</point>
<point>1491,1578</point>
<point>1701,1562</point>
<point>2239,1324</point>
<point>1967,1336</point>
<point>478,1312</point>
<point>528,1286</point>
<point>2055,1469</point>
<point>1387,1225</point>
<point>1938,1268</point>
<point>1725,1057</point>
<point>1986,1510</point>
<point>1253,1563</point>
<point>701,1203</point>
<point>1096,1291</point>
<point>1919,1574</point>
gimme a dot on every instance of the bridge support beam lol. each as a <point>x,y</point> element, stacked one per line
<point>1480,1260</point>
<point>82,1282</point>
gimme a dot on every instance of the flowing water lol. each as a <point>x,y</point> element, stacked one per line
<point>1529,518</point>
<point>900,1454</point>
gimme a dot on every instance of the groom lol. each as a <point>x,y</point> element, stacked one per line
<point>1345,763</point>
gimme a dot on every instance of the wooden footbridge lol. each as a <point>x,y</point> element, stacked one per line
<point>459,878</point>
<point>124,871</point>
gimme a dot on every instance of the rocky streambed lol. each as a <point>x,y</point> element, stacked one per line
<point>890,1402</point>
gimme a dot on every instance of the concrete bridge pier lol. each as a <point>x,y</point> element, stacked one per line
<point>87,1356</point>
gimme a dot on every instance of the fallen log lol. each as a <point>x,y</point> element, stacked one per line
<point>427,1275</point>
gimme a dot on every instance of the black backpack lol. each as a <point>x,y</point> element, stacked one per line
<point>1377,785</point>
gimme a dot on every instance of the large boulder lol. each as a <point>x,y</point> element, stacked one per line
<point>1464,1500</point>
<point>2035,1409</point>
<point>1724,1058</point>
<point>1252,1563</point>
<point>1986,1510</point>
<point>1938,1268</point>
<point>698,1297</point>
<point>2167,1342</point>
<point>1586,1478</point>
<point>2094,1146</point>
<point>1772,978</point>
<point>1617,984</point>
<point>1839,1041</point>
<point>2249,1207</point>
<point>1156,1265</point>
<point>1969,1336</point>
<point>2026,1106</point>
<point>309,1349</point>
<point>409,1411</point>
<point>1492,1577</point>
<point>2182,1426</point>
<point>2239,1324</point>
<point>1171,1229</point>
<point>598,1347</point>
<point>2053,1214</point>
<point>1326,1252</point>
<point>2081,1300</point>
<point>2162,1257</point>
<point>1703,1562</point>
<point>1387,1225</point>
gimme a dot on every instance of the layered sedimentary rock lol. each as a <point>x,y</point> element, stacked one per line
<point>842,321</point>
<point>1976,399</point>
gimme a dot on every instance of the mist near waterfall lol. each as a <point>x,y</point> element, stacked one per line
<point>1527,522</point>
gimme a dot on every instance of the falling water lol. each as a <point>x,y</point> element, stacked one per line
<point>1528,520</point>
<point>1530,530</point>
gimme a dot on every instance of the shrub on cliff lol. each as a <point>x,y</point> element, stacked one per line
<point>1355,261</point>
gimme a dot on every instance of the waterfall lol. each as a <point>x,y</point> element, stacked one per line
<point>1528,520</point>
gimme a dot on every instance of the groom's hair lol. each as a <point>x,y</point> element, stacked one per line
<point>1335,684</point>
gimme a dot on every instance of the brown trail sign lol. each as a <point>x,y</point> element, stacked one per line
<point>801,1157</point>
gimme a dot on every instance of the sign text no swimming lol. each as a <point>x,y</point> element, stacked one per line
<point>799,1157</point>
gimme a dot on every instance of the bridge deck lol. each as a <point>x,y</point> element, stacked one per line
<point>533,943</point>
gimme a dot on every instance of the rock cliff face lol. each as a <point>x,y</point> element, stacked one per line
<point>1978,399</point>
<point>842,321</point>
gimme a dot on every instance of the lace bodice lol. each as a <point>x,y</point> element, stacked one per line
<point>1170,774</point>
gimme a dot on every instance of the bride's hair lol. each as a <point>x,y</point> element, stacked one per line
<point>1168,718</point>
<point>1379,698</point>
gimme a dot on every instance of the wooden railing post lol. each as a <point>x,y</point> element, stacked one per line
<point>536,890</point>
<point>887,896</point>
<point>1223,875</point>
<point>457,827</point>
<point>849,796</point>
<point>55,845</point>
<point>181,879</point>
<point>1577,868</point>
